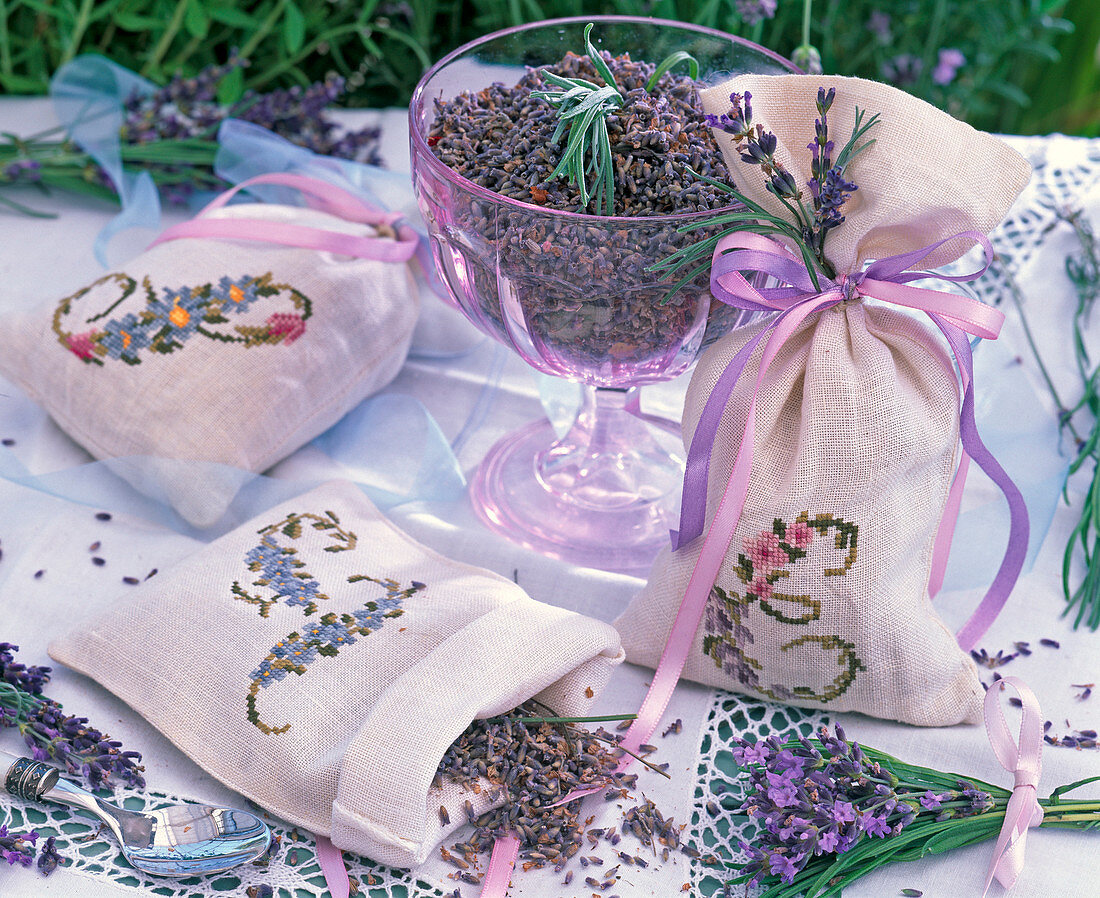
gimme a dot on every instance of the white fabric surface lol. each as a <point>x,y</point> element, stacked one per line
<point>44,258</point>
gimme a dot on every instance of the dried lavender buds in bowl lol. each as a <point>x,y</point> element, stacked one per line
<point>520,241</point>
<point>500,138</point>
<point>575,294</point>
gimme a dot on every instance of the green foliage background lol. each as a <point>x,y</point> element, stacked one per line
<point>1031,64</point>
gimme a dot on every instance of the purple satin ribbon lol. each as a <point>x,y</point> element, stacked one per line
<point>886,279</point>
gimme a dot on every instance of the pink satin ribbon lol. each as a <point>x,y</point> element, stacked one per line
<point>332,866</point>
<point>494,885</point>
<point>1024,760</point>
<point>501,863</point>
<point>322,196</point>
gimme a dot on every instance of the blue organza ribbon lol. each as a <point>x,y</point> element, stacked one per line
<point>88,94</point>
<point>389,445</point>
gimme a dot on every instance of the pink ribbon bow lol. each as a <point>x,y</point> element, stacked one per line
<point>1025,761</point>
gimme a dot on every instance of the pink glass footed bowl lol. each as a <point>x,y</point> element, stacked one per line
<point>572,294</point>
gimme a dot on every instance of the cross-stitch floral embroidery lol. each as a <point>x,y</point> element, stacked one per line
<point>764,563</point>
<point>281,571</point>
<point>325,637</point>
<point>177,314</point>
<point>283,577</point>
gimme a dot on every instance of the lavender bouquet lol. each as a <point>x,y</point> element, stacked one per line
<point>51,734</point>
<point>830,811</point>
<point>171,133</point>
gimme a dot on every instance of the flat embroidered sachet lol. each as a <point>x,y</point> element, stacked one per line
<point>320,662</point>
<point>219,349</point>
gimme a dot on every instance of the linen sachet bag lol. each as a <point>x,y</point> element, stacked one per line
<point>235,338</point>
<point>802,572</point>
<point>320,662</point>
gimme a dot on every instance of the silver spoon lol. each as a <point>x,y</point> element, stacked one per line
<point>181,840</point>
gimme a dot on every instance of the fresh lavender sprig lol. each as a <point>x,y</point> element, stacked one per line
<point>809,221</point>
<point>828,188</point>
<point>829,811</point>
<point>51,734</point>
<point>582,108</point>
<point>1083,269</point>
<point>29,679</point>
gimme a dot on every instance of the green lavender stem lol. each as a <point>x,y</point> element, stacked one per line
<point>1084,271</point>
<point>1016,295</point>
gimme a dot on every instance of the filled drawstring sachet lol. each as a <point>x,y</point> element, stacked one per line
<point>827,443</point>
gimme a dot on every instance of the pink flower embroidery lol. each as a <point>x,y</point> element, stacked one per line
<point>81,345</point>
<point>761,588</point>
<point>800,534</point>
<point>289,326</point>
<point>765,552</point>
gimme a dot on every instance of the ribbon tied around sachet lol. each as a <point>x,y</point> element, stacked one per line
<point>795,293</point>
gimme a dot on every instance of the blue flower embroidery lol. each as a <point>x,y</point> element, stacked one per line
<point>123,338</point>
<point>283,574</point>
<point>235,296</point>
<point>168,321</point>
<point>177,315</point>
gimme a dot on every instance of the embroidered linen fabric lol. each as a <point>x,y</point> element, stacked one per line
<point>320,662</point>
<point>927,177</point>
<point>822,598</point>
<point>224,351</point>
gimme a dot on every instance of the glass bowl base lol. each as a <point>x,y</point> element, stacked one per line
<point>610,508</point>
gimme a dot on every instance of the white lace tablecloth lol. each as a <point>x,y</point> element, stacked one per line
<point>475,399</point>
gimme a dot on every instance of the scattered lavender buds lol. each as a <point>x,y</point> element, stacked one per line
<point>981,657</point>
<point>17,849</point>
<point>48,858</point>
<point>50,733</point>
<point>528,768</point>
